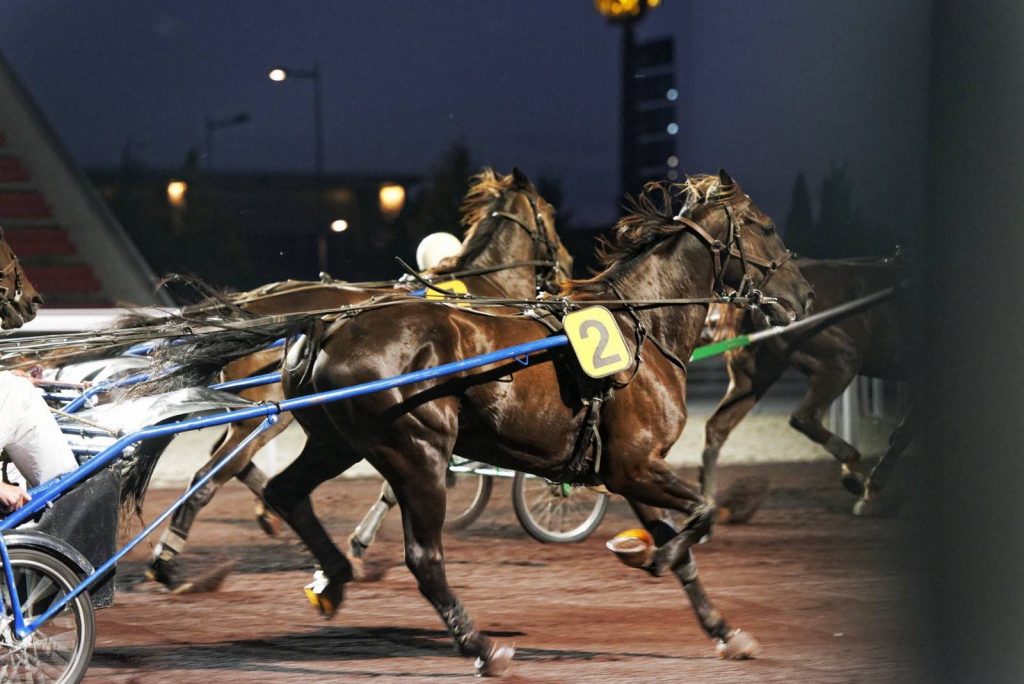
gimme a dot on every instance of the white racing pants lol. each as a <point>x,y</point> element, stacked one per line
<point>30,435</point>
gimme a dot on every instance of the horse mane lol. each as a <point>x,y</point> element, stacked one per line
<point>485,187</point>
<point>650,222</point>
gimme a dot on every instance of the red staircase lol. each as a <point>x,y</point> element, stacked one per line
<point>43,246</point>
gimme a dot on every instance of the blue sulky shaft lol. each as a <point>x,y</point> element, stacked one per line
<point>48,492</point>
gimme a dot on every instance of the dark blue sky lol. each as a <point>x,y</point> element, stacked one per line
<point>768,88</point>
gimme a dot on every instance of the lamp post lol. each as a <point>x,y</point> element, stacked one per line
<point>279,74</point>
<point>214,125</point>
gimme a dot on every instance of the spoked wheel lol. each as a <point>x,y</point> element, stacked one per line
<point>60,650</point>
<point>556,513</point>
<point>468,493</point>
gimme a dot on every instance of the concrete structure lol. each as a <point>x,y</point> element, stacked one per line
<point>73,249</point>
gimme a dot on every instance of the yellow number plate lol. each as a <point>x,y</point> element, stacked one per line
<point>597,341</point>
<point>456,286</point>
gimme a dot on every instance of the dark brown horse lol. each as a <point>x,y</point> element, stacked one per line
<point>872,342</point>
<point>530,417</point>
<point>19,300</point>
<point>507,222</point>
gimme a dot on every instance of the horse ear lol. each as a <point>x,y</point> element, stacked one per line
<point>724,179</point>
<point>520,179</point>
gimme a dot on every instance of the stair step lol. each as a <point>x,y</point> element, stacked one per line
<point>13,171</point>
<point>35,241</point>
<point>21,205</point>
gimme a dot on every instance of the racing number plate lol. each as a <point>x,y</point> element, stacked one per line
<point>456,286</point>
<point>597,341</point>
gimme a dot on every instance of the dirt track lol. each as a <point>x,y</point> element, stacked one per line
<point>818,588</point>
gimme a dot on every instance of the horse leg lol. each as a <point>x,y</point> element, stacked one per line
<point>163,567</point>
<point>420,489</point>
<point>649,483</point>
<point>366,530</point>
<point>731,644</point>
<point>253,477</point>
<point>899,440</point>
<point>287,494</point>
<point>827,382</point>
<point>750,376</point>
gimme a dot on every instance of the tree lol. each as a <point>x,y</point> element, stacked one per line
<point>437,207</point>
<point>800,219</point>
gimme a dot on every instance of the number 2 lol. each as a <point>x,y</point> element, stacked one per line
<point>600,360</point>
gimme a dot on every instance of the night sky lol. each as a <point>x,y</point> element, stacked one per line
<point>768,89</point>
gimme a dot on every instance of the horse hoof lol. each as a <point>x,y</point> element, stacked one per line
<point>497,660</point>
<point>853,480</point>
<point>325,594</point>
<point>269,523</point>
<point>874,508</point>
<point>738,645</point>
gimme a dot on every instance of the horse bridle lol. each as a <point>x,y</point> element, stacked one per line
<point>544,252</point>
<point>5,275</point>
<point>722,253</point>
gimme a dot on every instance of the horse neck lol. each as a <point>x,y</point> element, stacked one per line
<point>508,243</point>
<point>681,270</point>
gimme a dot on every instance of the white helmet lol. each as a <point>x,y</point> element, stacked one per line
<point>435,248</point>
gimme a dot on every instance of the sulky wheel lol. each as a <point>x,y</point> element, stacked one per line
<point>468,493</point>
<point>60,650</point>
<point>556,513</point>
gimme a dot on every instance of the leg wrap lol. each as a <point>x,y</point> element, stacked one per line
<point>676,550</point>
<point>366,530</point>
<point>468,640</point>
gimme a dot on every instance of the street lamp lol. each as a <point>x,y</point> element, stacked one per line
<point>280,74</point>
<point>213,125</point>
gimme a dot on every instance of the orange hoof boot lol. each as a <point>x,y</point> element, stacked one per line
<point>325,594</point>
<point>738,645</point>
<point>497,660</point>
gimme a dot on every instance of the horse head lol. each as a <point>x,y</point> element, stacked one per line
<point>19,300</point>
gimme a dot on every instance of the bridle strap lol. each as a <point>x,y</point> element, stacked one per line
<point>734,248</point>
<point>543,249</point>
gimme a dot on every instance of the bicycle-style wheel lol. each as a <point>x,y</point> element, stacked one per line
<point>556,513</point>
<point>60,650</point>
<point>468,494</point>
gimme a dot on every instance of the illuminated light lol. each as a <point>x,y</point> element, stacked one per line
<point>176,190</point>
<point>339,225</point>
<point>392,199</point>
<point>672,95</point>
<point>672,128</point>
<point>653,3</point>
<point>673,174</point>
<point>278,74</point>
<point>672,161</point>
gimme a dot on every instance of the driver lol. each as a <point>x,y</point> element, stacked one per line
<point>31,440</point>
<point>435,248</point>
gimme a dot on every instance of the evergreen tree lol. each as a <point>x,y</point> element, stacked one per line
<point>799,228</point>
<point>437,207</point>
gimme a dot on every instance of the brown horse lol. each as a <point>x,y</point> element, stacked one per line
<point>507,223</point>
<point>19,300</point>
<point>530,417</point>
<point>871,342</point>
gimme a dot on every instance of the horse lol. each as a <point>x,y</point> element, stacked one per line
<point>510,242</point>
<point>530,417</point>
<point>870,342</point>
<point>19,299</point>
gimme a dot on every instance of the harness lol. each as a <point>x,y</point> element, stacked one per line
<point>585,461</point>
<point>545,253</point>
